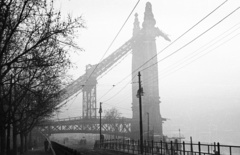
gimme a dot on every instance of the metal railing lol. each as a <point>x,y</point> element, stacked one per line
<point>167,148</point>
<point>63,150</point>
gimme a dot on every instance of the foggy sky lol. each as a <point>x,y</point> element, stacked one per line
<point>199,85</point>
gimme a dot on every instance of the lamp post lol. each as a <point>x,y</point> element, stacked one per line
<point>100,112</point>
<point>148,126</point>
<point>139,95</point>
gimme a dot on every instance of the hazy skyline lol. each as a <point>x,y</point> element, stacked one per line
<point>199,85</point>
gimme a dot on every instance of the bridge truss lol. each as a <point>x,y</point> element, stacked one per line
<point>117,127</point>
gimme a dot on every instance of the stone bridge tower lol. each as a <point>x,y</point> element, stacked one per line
<point>143,51</point>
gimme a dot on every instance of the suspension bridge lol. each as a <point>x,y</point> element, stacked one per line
<point>144,51</point>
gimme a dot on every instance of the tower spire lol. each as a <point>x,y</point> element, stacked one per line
<point>136,27</point>
<point>149,21</point>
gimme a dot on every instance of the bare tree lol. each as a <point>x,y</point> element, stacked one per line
<point>111,115</point>
<point>34,54</point>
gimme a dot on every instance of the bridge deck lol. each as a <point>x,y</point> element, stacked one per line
<point>120,126</point>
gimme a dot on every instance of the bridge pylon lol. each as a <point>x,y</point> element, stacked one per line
<point>144,51</point>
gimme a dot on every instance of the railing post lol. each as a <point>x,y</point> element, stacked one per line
<point>215,146</point>
<point>218,145</point>
<point>183,148</point>
<point>199,148</point>
<point>171,148</point>
<point>208,149</point>
<point>138,147</point>
<point>144,147</point>
<point>176,144</point>
<point>191,144</point>
<point>161,146</point>
<point>152,146</point>
<point>230,150</point>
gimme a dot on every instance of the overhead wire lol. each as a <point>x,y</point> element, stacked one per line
<point>185,45</point>
<point>175,40</point>
<point>114,39</point>
<point>117,106</point>
<point>163,49</point>
<point>109,46</point>
<point>116,64</point>
<point>120,90</point>
<point>195,53</point>
<point>168,46</point>
<point>202,55</point>
<point>184,65</point>
<point>106,92</point>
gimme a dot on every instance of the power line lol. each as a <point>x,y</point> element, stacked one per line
<point>176,39</point>
<point>106,92</point>
<point>113,40</point>
<point>106,72</point>
<point>203,55</point>
<point>183,45</point>
<point>190,56</point>
<point>109,46</point>
<point>162,77</point>
<point>192,39</point>
<point>117,106</point>
<point>158,52</point>
<point>120,90</point>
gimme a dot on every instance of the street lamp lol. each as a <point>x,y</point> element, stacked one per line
<point>148,126</point>
<point>139,95</point>
<point>100,112</point>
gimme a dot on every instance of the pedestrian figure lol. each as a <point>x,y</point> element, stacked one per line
<point>46,145</point>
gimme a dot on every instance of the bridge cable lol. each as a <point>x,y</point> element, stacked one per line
<point>176,39</point>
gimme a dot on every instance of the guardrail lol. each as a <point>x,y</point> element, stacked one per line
<point>167,148</point>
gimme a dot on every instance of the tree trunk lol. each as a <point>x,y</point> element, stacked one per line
<point>21,143</point>
<point>8,138</point>
<point>26,142</point>
<point>30,145</point>
<point>3,139</point>
<point>14,139</point>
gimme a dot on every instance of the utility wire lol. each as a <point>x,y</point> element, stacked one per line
<point>193,39</point>
<point>182,46</point>
<point>201,55</point>
<point>117,106</point>
<point>113,40</point>
<point>109,46</point>
<point>120,90</point>
<point>206,46</point>
<point>176,39</point>
<point>106,92</point>
<point>162,49</point>
<point>158,52</point>
<point>193,60</point>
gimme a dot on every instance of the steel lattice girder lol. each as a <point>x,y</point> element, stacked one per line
<point>109,126</point>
